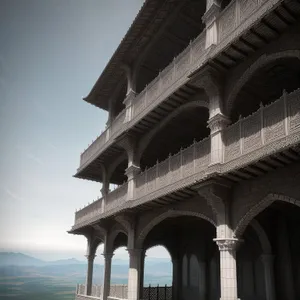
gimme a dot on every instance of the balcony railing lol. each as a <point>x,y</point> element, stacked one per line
<point>120,291</point>
<point>272,128</point>
<point>235,18</point>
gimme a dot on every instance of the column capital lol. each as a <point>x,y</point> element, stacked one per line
<point>90,256</point>
<point>107,255</point>
<point>135,252</point>
<point>218,122</point>
<point>132,171</point>
<point>211,13</point>
<point>129,97</point>
<point>227,244</point>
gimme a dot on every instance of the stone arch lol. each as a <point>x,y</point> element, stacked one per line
<point>258,64</point>
<point>160,245</point>
<point>262,236</point>
<point>115,164</point>
<point>145,141</point>
<point>112,235</point>
<point>172,213</point>
<point>258,208</point>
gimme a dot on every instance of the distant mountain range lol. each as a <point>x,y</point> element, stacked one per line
<point>19,264</point>
<point>20,259</point>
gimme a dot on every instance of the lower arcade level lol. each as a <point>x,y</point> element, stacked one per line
<point>227,241</point>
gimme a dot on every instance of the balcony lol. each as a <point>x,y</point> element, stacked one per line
<point>120,291</point>
<point>271,129</point>
<point>232,23</point>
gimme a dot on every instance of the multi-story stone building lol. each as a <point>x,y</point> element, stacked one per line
<point>203,140</point>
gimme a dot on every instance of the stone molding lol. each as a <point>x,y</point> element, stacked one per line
<point>211,14</point>
<point>108,256</point>
<point>217,123</point>
<point>227,244</point>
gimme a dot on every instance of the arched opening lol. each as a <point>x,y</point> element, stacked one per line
<point>157,267</point>
<point>194,255</point>
<point>119,267</point>
<point>118,103</point>
<point>266,85</point>
<point>157,278</point>
<point>180,27</point>
<point>181,131</point>
<point>118,175</point>
<point>265,276</point>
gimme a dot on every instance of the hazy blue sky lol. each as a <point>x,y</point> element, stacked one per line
<point>51,54</point>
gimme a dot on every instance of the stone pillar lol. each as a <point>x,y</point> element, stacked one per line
<point>268,263</point>
<point>131,91</point>
<point>131,172</point>
<point>284,262</point>
<point>175,278</point>
<point>107,275</point>
<point>213,8</point>
<point>105,187</point>
<point>217,123</point>
<point>228,274</point>
<point>142,274</point>
<point>135,272</point>
<point>89,276</point>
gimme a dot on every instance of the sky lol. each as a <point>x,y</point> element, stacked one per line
<point>51,54</point>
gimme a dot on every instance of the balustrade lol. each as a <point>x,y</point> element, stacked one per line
<point>120,291</point>
<point>230,20</point>
<point>268,126</point>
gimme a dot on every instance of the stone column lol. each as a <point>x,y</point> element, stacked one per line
<point>89,276</point>
<point>131,172</point>
<point>131,91</point>
<point>175,278</point>
<point>284,262</point>
<point>107,275</point>
<point>143,256</point>
<point>213,8</point>
<point>135,271</point>
<point>228,274</point>
<point>217,123</point>
<point>105,188</point>
<point>268,263</point>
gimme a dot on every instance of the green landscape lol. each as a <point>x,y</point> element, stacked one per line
<point>25,278</point>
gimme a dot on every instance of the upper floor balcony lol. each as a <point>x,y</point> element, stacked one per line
<point>271,131</point>
<point>233,22</point>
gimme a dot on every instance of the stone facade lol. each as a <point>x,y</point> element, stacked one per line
<point>209,151</point>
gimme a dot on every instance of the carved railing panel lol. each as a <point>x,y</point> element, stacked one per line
<point>293,110</point>
<point>89,211</point>
<point>269,124</point>
<point>95,292</point>
<point>116,197</point>
<point>251,133</point>
<point>119,291</point>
